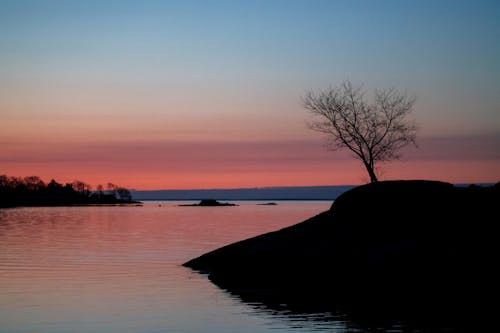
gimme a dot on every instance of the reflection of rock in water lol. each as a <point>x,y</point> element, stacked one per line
<point>413,250</point>
<point>299,319</point>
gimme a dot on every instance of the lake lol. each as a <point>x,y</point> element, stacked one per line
<point>118,269</point>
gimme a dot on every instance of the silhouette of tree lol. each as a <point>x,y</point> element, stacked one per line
<point>373,132</point>
<point>111,188</point>
<point>81,187</point>
<point>54,185</point>
<point>124,194</point>
<point>4,181</point>
<point>33,183</point>
<point>100,189</point>
<point>32,191</point>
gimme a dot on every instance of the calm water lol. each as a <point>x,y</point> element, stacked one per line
<point>117,269</point>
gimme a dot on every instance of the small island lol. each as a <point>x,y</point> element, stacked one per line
<point>209,203</point>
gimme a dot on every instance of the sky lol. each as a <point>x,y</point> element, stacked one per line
<point>207,94</point>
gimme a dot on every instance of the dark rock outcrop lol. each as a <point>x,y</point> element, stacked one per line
<point>209,203</point>
<point>414,248</point>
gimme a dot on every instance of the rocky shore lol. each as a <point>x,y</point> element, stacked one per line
<point>418,250</point>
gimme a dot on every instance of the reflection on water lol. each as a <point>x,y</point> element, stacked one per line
<point>117,269</point>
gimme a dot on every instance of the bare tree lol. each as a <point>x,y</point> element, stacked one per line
<point>373,132</point>
<point>100,189</point>
<point>81,187</point>
<point>111,188</point>
<point>33,183</point>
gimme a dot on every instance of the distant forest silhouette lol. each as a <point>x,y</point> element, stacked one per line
<point>33,191</point>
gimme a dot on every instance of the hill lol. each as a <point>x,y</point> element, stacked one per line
<point>420,251</point>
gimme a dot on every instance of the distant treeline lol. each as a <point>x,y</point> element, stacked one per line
<point>33,191</point>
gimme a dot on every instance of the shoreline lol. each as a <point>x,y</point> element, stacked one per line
<point>397,249</point>
<point>135,203</point>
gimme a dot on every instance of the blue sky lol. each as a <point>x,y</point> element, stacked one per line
<point>234,71</point>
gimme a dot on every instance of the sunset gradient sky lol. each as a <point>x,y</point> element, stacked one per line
<point>207,94</point>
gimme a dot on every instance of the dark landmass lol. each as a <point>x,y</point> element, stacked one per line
<point>268,204</point>
<point>209,203</point>
<point>266,193</point>
<point>32,192</point>
<point>418,252</point>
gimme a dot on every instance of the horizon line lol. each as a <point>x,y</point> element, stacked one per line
<point>302,186</point>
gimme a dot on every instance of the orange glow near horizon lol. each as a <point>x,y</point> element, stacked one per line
<point>347,173</point>
<point>204,165</point>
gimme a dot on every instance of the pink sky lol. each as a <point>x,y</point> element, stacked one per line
<point>196,95</point>
<point>222,164</point>
<point>160,141</point>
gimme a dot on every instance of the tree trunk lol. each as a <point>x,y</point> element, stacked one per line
<point>371,173</point>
